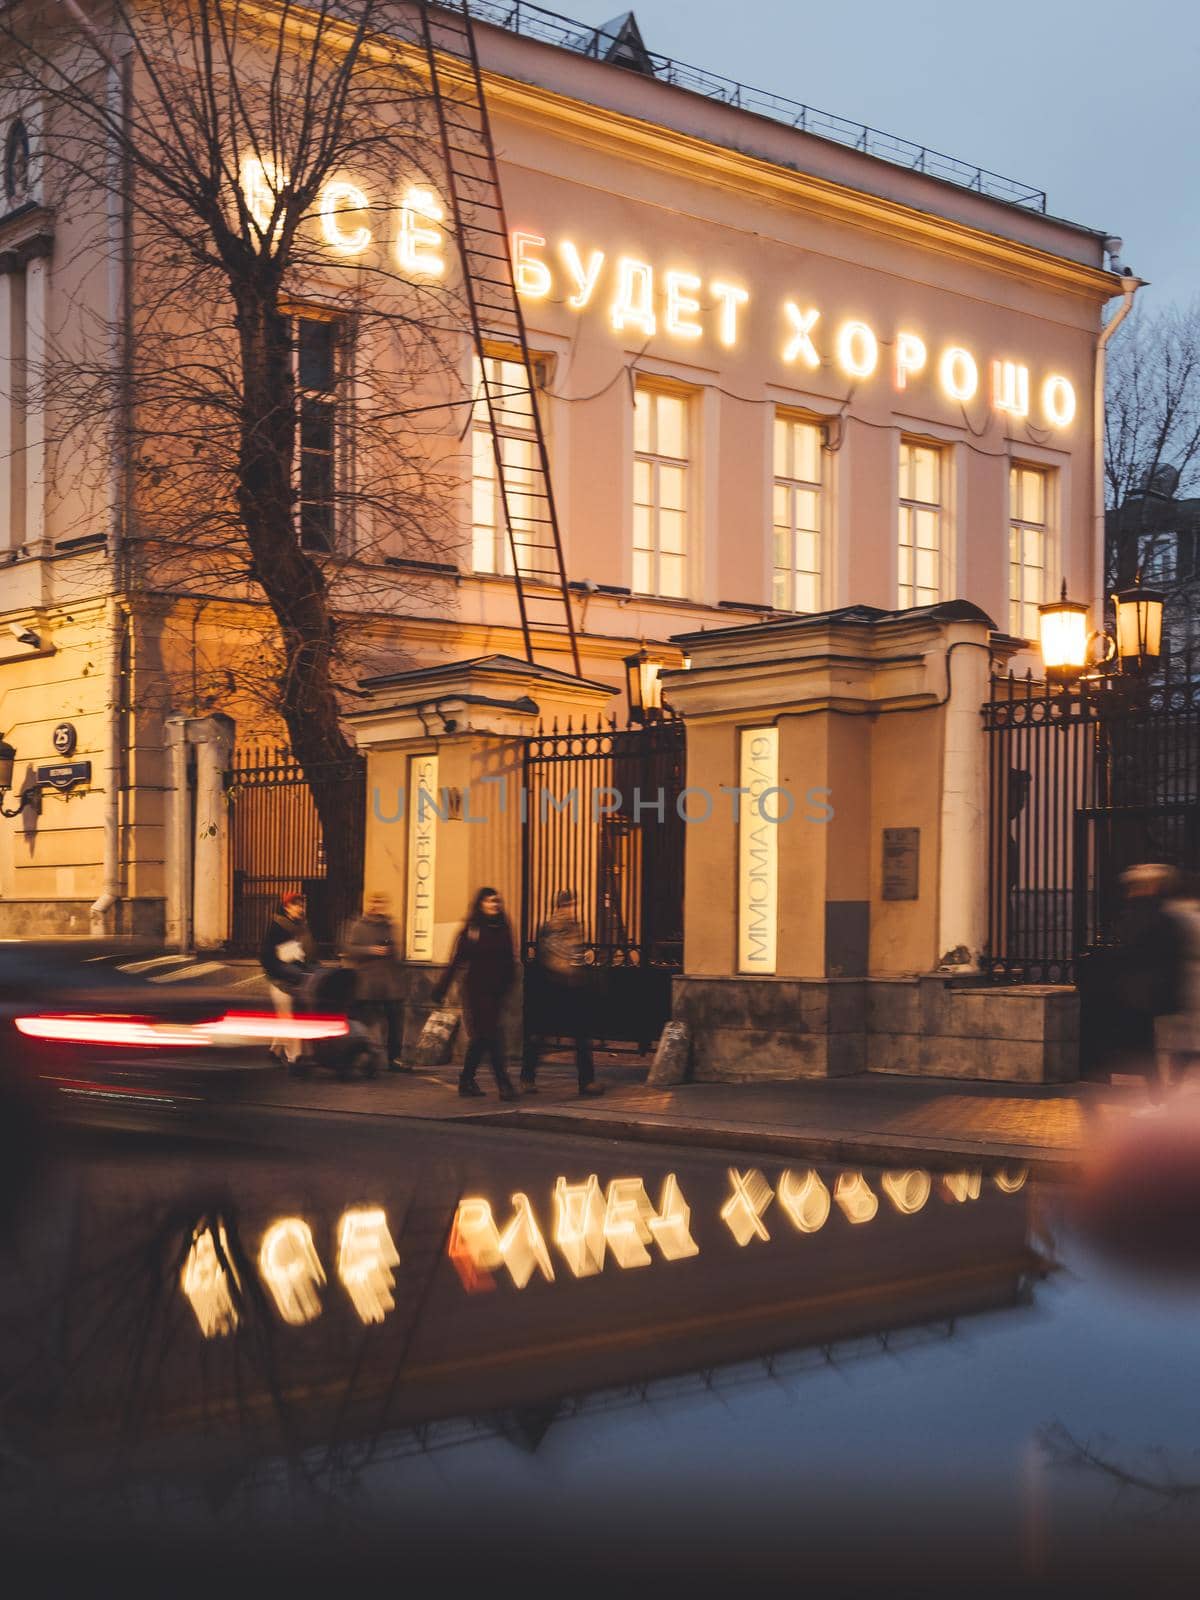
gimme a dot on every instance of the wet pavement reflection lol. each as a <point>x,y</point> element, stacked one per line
<point>559,1350</point>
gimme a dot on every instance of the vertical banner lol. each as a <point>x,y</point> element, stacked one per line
<point>422,856</point>
<point>758,851</point>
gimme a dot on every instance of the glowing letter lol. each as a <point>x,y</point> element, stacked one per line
<point>474,1246</point>
<point>908,1191</point>
<point>958,373</point>
<point>670,1227</point>
<point>800,346</point>
<point>1058,401</point>
<point>730,299</point>
<point>521,1245</point>
<point>806,1200</point>
<point>530,274</point>
<point>584,277</point>
<point>857,349</point>
<point>627,1216</point>
<point>961,1186</point>
<point>910,358</point>
<point>261,185</point>
<point>419,246</point>
<point>209,1280</point>
<point>287,1260</point>
<point>1010,388</point>
<point>854,1195</point>
<point>579,1225</point>
<point>634,305</point>
<point>336,198</point>
<point>682,305</point>
<point>742,1212</point>
<point>366,1256</point>
<point>1008,1181</point>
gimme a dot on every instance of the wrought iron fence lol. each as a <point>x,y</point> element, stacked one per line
<point>277,844</point>
<point>535,22</point>
<point>1082,785</point>
<point>602,820</point>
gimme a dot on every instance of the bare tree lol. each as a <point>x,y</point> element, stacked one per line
<point>1152,433</point>
<point>244,147</point>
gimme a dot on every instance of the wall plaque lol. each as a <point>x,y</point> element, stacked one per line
<point>63,774</point>
<point>901,863</point>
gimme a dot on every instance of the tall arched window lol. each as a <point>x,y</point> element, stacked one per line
<point>16,164</point>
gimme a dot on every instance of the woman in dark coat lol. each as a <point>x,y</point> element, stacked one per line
<point>483,954</point>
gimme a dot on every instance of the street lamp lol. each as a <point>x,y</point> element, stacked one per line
<point>1063,629</point>
<point>643,685</point>
<point>1139,626</point>
<point>8,757</point>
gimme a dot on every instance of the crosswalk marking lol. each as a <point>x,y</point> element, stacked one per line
<point>154,961</point>
<point>200,970</point>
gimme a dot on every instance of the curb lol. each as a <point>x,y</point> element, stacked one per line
<point>867,1149</point>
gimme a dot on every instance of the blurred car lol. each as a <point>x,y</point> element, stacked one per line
<point>73,1023</point>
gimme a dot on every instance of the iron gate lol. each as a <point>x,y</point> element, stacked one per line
<point>602,819</point>
<point>1082,785</point>
<point>276,845</point>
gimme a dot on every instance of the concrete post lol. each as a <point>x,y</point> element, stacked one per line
<point>213,737</point>
<point>197,842</point>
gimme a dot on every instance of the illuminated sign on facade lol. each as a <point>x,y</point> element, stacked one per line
<point>758,851</point>
<point>422,857</point>
<point>645,299</point>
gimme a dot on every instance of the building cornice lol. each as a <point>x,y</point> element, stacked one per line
<point>653,144</point>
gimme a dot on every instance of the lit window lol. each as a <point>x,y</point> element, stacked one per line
<point>517,434</point>
<point>1028,501</point>
<point>318,343</point>
<point>921,515</point>
<point>660,492</point>
<point>796,585</point>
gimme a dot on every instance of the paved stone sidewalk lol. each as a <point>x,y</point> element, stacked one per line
<point>872,1118</point>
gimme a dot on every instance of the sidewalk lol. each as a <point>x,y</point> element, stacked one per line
<point>871,1119</point>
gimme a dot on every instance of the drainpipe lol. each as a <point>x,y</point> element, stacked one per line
<point>117,93</point>
<point>1129,288</point>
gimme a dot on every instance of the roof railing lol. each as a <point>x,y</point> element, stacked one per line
<point>535,22</point>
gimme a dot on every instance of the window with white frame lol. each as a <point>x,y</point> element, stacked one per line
<point>1028,533</point>
<point>319,346</point>
<point>661,461</point>
<point>516,434</point>
<point>796,534</point>
<point>922,523</point>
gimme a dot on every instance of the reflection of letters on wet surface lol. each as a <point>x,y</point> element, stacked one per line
<point>591,1228</point>
<point>209,1280</point>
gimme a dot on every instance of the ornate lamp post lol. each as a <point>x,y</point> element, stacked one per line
<point>1067,646</point>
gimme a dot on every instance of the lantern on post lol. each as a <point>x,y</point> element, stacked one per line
<point>643,685</point>
<point>1139,626</point>
<point>1063,630</point>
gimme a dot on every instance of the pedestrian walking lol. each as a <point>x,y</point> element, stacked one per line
<point>287,954</point>
<point>483,956</point>
<point>1149,967</point>
<point>559,996</point>
<point>371,951</point>
<point>1180,1051</point>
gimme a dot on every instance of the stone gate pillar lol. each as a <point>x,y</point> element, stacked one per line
<point>853,744</point>
<point>445,766</point>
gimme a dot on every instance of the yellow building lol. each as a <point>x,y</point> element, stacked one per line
<point>777,373</point>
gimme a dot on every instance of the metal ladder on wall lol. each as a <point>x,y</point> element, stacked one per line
<point>497,322</point>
